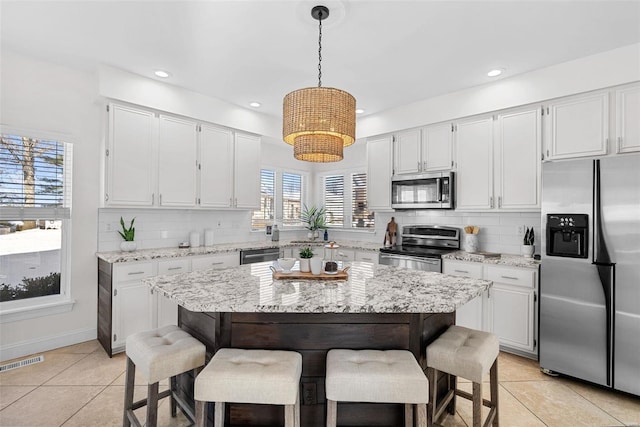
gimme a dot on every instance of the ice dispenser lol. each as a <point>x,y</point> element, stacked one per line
<point>568,235</point>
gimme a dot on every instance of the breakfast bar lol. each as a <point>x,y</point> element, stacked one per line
<point>377,307</point>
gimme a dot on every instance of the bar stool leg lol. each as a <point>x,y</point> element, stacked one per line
<point>173,386</point>
<point>218,414</point>
<point>201,413</point>
<point>493,373</point>
<point>128,392</point>
<point>421,409</point>
<point>332,413</point>
<point>289,415</point>
<point>433,395</point>
<point>297,410</point>
<point>453,385</point>
<point>408,415</point>
<point>477,404</point>
<point>152,405</point>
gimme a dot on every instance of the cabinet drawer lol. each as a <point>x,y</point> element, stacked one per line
<point>367,256</point>
<point>231,259</point>
<point>173,266</point>
<point>472,270</point>
<point>128,271</point>
<point>512,276</point>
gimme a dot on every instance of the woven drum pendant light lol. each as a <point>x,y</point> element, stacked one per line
<point>319,121</point>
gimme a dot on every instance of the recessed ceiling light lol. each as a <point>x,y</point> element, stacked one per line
<point>359,111</point>
<point>255,104</point>
<point>495,73</point>
<point>162,73</point>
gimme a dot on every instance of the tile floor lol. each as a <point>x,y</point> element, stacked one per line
<point>80,385</point>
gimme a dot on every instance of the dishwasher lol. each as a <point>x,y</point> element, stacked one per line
<point>251,256</point>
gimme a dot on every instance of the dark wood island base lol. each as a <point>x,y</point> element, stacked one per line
<point>312,335</point>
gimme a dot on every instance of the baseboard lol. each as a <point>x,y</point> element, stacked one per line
<point>37,345</point>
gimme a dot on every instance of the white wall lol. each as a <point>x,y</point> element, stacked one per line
<point>46,97</point>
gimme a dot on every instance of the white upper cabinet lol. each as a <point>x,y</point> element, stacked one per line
<point>628,119</point>
<point>577,126</point>
<point>216,167</point>
<point>247,171</point>
<point>177,162</point>
<point>423,150</point>
<point>379,159</point>
<point>407,152</point>
<point>437,147</point>
<point>518,142</point>
<point>474,164</point>
<point>130,157</point>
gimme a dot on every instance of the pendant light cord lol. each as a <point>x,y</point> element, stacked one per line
<point>320,49</point>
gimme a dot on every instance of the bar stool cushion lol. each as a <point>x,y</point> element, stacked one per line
<point>377,376</point>
<point>250,376</point>
<point>164,352</point>
<point>463,352</point>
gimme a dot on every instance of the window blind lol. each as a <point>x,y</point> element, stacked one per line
<point>360,217</point>
<point>35,178</point>
<point>334,200</point>
<point>291,199</point>
<point>265,215</point>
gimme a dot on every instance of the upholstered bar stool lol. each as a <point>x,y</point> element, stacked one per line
<point>469,354</point>
<point>269,377</point>
<point>376,376</point>
<point>159,354</point>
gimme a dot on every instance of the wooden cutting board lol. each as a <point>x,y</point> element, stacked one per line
<point>298,275</point>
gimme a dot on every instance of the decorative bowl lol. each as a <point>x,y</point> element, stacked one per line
<point>286,264</point>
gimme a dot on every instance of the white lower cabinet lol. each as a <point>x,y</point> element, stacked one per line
<point>231,259</point>
<point>508,309</point>
<point>132,301</point>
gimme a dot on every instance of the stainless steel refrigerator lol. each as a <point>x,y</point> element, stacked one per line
<point>590,274</point>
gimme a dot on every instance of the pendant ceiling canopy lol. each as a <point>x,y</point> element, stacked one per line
<point>319,121</point>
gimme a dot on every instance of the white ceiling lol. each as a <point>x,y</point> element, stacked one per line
<point>385,53</point>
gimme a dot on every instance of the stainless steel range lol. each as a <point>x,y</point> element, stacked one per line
<point>422,247</point>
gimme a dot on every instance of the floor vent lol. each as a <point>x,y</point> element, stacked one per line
<point>21,363</point>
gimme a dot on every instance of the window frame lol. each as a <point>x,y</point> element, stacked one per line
<point>12,311</point>
<point>347,200</point>
<point>278,196</point>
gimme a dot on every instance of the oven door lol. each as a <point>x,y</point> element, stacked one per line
<point>416,263</point>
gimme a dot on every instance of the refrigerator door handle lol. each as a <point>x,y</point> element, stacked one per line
<point>600,252</point>
<point>606,273</point>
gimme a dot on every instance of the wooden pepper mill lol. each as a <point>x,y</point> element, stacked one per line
<point>390,234</point>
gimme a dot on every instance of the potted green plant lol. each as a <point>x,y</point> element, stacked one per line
<point>528,247</point>
<point>314,217</point>
<point>305,255</point>
<point>128,234</point>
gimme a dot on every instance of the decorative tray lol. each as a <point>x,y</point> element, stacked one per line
<point>299,275</point>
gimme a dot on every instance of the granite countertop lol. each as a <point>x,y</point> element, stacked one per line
<point>149,254</point>
<point>370,288</point>
<point>503,259</point>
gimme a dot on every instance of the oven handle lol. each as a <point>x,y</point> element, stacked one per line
<point>432,261</point>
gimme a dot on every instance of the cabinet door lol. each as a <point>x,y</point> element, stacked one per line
<point>132,311</point>
<point>437,147</point>
<point>379,158</point>
<point>216,167</point>
<point>407,152</point>
<point>177,162</point>
<point>247,172</point>
<point>513,316</point>
<point>474,164</point>
<point>578,126</point>
<point>130,157</point>
<point>627,123</point>
<point>470,314</point>
<point>517,173</point>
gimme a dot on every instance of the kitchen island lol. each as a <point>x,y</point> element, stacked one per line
<point>378,307</point>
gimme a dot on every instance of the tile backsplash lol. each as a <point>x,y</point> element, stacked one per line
<point>168,227</point>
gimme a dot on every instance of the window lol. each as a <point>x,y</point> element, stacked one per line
<point>35,201</point>
<point>281,198</point>
<point>347,193</point>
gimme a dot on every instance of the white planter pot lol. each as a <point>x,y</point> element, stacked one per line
<point>128,246</point>
<point>316,265</point>
<point>310,235</point>
<point>527,250</point>
<point>305,265</point>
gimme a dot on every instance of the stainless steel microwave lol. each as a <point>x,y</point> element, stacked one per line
<point>424,191</point>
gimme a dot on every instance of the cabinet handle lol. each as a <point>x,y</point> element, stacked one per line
<point>153,198</point>
<point>115,338</point>
<point>509,277</point>
<point>366,259</point>
<point>135,272</point>
<point>491,201</point>
<point>461,271</point>
<point>499,201</point>
<point>230,201</point>
<point>160,200</point>
<point>217,263</point>
<point>419,168</point>
<point>424,165</point>
<point>547,153</point>
<point>235,202</point>
<point>174,268</point>
<point>619,143</point>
